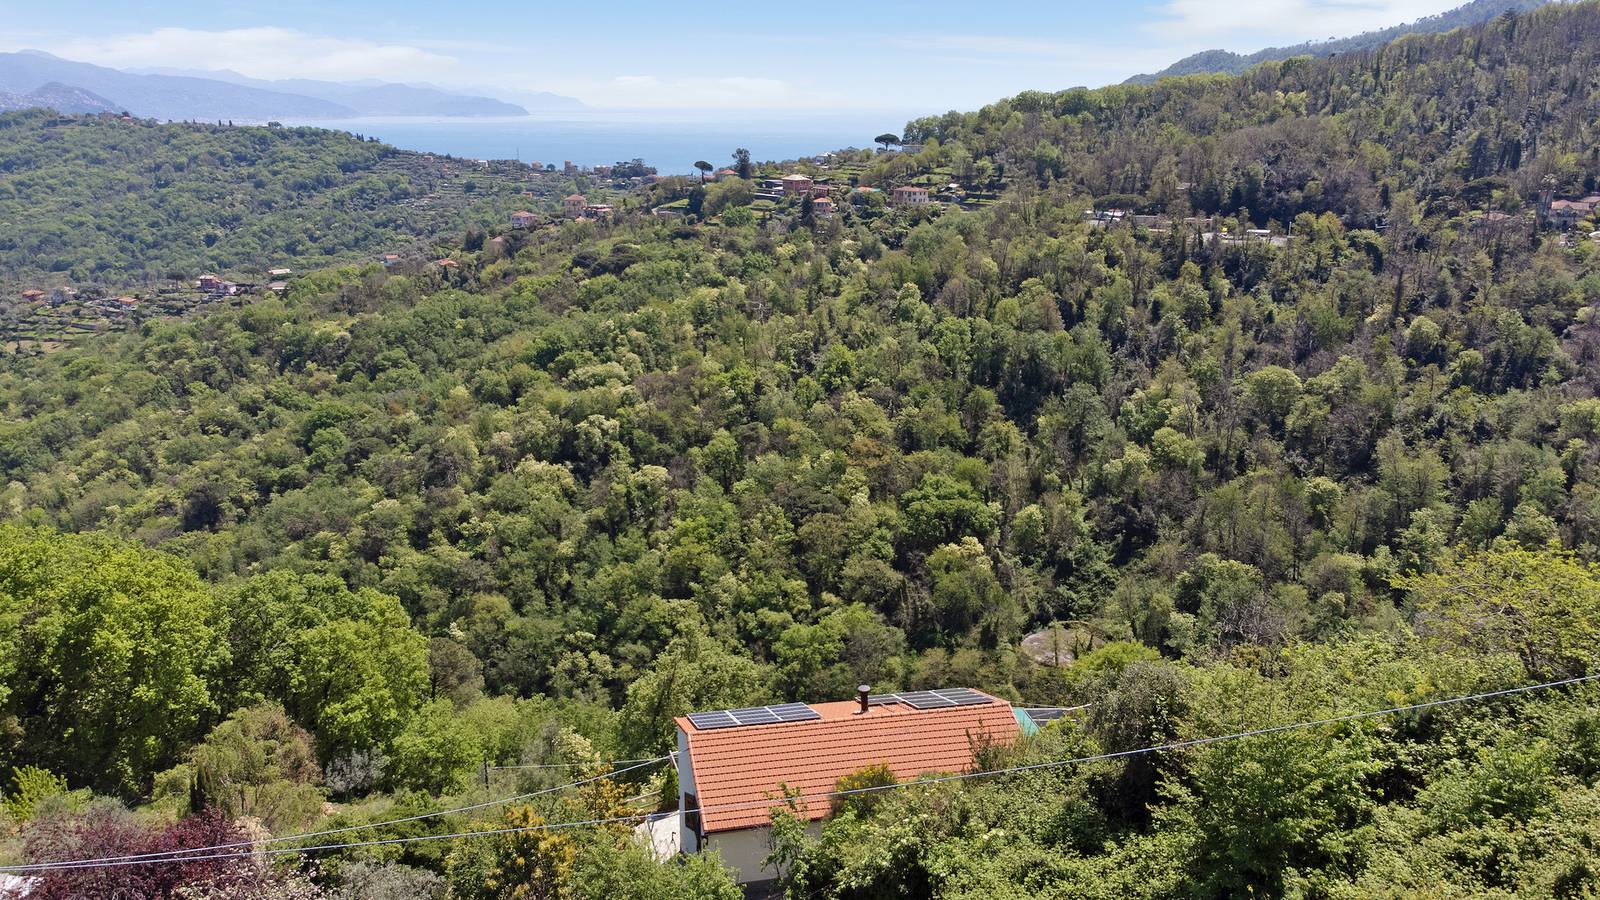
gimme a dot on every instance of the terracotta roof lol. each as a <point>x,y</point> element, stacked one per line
<point>744,766</point>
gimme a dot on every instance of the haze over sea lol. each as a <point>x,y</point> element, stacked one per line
<point>670,141</point>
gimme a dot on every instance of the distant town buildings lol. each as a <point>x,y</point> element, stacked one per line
<point>908,195</point>
<point>1564,214</point>
<point>216,286</point>
<point>796,185</point>
<point>576,206</point>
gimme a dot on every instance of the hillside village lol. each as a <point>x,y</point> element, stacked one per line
<point>447,195</point>
<point>906,183</point>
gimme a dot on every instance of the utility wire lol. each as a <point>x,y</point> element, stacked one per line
<point>180,855</point>
<point>609,762</point>
<point>779,801</point>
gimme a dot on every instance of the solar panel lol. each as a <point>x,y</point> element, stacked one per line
<point>943,698</point>
<point>963,696</point>
<point>925,700</point>
<point>708,720</point>
<point>795,712</point>
<point>753,715</point>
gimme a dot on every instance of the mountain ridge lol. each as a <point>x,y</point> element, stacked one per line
<point>64,98</point>
<point>1218,61</point>
<point>179,94</point>
<point>373,97</point>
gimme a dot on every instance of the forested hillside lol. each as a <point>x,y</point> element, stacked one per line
<point>527,509</point>
<point>1468,120</point>
<point>1206,62</point>
<point>118,202</point>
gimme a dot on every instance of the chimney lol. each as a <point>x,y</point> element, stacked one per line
<point>862,690</point>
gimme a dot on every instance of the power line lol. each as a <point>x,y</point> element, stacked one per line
<point>609,762</point>
<point>174,855</point>
<point>68,865</point>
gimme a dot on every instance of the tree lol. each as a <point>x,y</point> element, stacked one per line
<point>941,510</point>
<point>259,763</point>
<point>856,791</point>
<point>527,862</point>
<point>346,664</point>
<point>108,831</point>
<point>704,167</point>
<point>1543,606</point>
<point>887,139</point>
<point>110,657</point>
<point>435,753</point>
<point>741,163</point>
<point>693,673</point>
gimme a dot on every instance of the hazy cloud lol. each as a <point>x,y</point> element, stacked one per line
<point>1289,21</point>
<point>264,52</point>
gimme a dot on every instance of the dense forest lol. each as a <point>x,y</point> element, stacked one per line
<point>120,202</point>
<point>317,560</point>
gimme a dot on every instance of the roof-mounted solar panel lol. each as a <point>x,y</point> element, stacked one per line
<point>753,715</point>
<point>964,696</point>
<point>795,712</point>
<point>708,720</point>
<point>944,698</point>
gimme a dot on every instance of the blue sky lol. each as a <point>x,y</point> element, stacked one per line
<point>826,55</point>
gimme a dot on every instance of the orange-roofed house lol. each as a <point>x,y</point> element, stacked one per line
<point>734,765</point>
<point>522,219</point>
<point>573,204</point>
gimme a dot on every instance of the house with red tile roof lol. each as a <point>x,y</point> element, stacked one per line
<point>523,219</point>
<point>735,765</point>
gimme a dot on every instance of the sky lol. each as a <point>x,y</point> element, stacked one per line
<point>821,56</point>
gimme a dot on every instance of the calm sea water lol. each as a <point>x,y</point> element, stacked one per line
<point>669,141</point>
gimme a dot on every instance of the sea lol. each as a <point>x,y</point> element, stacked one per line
<point>672,141</point>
